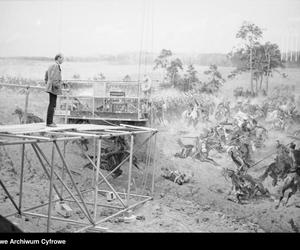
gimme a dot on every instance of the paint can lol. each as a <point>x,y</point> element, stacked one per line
<point>110,196</point>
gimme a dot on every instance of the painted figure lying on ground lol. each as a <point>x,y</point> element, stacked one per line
<point>175,176</point>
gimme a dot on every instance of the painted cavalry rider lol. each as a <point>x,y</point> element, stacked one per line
<point>283,160</point>
<point>294,156</point>
<point>239,159</point>
<point>252,125</point>
<point>220,133</point>
<point>244,151</point>
<point>282,151</point>
<point>245,126</point>
<point>190,109</point>
<point>225,108</point>
<point>201,145</point>
<point>204,112</point>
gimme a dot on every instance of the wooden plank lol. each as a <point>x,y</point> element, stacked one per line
<point>106,118</point>
<point>26,137</point>
<point>20,129</point>
<point>81,134</point>
<point>3,128</point>
<point>118,131</point>
<point>90,127</point>
<point>41,127</point>
<point>45,129</point>
<point>138,127</point>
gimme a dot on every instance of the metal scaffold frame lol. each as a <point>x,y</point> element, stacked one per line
<point>36,134</point>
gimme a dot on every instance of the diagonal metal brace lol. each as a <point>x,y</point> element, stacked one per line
<point>46,171</point>
<point>72,180</point>
<point>9,196</point>
<point>104,179</point>
<point>138,148</point>
<point>36,147</point>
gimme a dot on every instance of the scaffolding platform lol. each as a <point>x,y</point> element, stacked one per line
<point>31,135</point>
<point>41,127</point>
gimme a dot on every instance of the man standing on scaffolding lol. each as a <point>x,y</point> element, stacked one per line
<point>53,80</point>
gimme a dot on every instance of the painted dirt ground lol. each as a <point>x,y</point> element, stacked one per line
<point>198,206</point>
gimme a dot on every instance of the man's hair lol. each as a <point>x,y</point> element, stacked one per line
<point>57,56</point>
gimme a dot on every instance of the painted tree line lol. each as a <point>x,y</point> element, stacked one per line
<point>261,60</point>
<point>173,67</point>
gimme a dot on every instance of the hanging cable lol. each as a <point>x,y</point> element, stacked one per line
<point>152,37</point>
<point>60,27</point>
<point>141,41</point>
<point>146,164</point>
<point>148,47</point>
<point>146,37</point>
<point>148,160</point>
<point>146,42</point>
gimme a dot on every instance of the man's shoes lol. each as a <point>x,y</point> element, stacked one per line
<point>51,125</point>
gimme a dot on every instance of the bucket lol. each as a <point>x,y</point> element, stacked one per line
<point>110,196</point>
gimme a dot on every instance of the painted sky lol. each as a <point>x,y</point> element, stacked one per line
<point>90,27</point>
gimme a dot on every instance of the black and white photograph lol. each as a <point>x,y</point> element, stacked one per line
<point>148,116</point>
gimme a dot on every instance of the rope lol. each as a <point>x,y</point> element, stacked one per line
<point>60,26</point>
<point>109,123</point>
<point>145,177</point>
<point>146,40</point>
<point>141,42</point>
<point>152,36</point>
<point>150,149</point>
